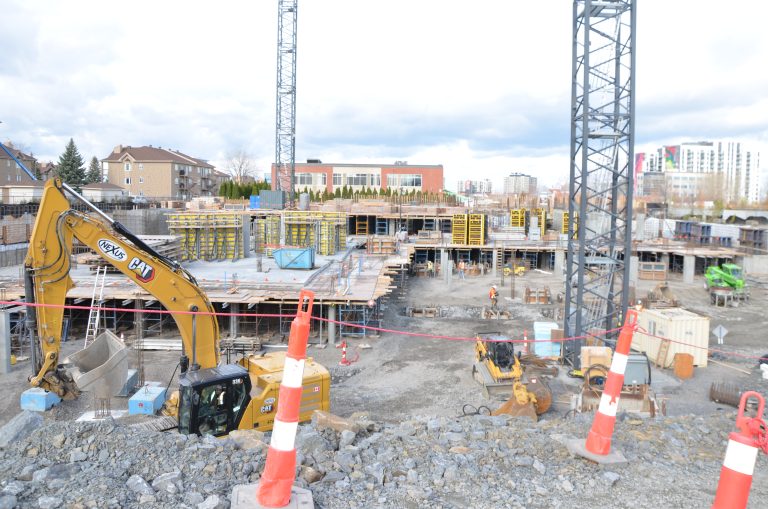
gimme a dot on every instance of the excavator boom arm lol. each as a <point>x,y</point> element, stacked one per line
<point>48,264</point>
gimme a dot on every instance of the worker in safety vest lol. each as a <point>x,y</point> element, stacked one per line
<point>493,294</point>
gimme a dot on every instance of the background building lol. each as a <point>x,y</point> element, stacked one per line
<point>467,187</point>
<point>159,173</point>
<point>519,183</point>
<point>719,170</point>
<point>10,172</point>
<point>317,176</point>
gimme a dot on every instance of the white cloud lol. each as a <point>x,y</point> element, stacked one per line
<point>475,86</point>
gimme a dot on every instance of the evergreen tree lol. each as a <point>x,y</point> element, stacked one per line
<point>71,166</point>
<point>337,193</point>
<point>35,169</point>
<point>94,172</point>
<point>223,189</point>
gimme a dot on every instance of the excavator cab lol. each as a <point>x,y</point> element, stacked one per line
<point>213,401</point>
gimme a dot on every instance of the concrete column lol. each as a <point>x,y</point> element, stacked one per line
<point>5,342</point>
<point>494,263</point>
<point>445,266</point>
<point>639,232</point>
<point>234,321</point>
<point>331,325</point>
<point>634,264</point>
<point>559,261</point>
<point>138,318</point>
<point>665,260</point>
<point>689,266</point>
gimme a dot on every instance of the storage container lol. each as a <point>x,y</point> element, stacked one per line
<point>688,332</point>
<point>295,258</point>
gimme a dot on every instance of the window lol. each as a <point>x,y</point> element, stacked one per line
<point>410,180</point>
<point>358,179</point>
<point>127,181</point>
<point>141,180</point>
<point>338,179</point>
<point>304,179</point>
<point>141,166</point>
<point>127,166</point>
<point>393,180</point>
<point>18,178</point>
<point>323,179</point>
<point>105,165</point>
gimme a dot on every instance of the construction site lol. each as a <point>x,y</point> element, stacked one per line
<point>392,352</point>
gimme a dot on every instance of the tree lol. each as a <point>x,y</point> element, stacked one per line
<point>71,166</point>
<point>240,165</point>
<point>94,172</point>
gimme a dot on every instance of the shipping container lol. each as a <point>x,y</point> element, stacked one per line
<point>687,332</point>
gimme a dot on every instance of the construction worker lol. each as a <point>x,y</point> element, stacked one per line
<point>493,294</point>
<point>462,266</point>
<point>430,269</point>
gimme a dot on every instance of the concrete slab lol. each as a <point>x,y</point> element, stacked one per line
<point>91,415</point>
<point>577,447</point>
<point>244,497</point>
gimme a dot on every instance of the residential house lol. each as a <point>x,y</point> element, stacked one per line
<point>10,172</point>
<point>158,173</point>
<point>104,192</point>
<point>22,192</point>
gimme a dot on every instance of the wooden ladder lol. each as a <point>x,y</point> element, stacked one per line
<point>661,355</point>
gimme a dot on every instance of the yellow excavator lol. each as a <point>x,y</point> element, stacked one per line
<point>214,398</point>
<point>498,368</point>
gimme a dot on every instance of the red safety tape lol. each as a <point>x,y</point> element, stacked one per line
<point>369,327</point>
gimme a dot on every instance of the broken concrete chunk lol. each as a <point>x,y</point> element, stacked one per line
<point>20,426</point>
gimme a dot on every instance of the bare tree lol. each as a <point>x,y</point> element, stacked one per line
<point>240,166</point>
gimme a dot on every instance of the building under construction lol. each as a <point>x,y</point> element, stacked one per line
<point>252,263</point>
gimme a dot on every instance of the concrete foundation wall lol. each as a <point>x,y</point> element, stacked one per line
<point>144,221</point>
<point>756,264</point>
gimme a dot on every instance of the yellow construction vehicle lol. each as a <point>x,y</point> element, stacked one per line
<point>519,270</point>
<point>214,398</point>
<point>498,368</point>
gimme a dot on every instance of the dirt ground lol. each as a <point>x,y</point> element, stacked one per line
<point>396,376</point>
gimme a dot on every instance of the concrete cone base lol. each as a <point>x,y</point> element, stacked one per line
<point>244,497</point>
<point>578,447</point>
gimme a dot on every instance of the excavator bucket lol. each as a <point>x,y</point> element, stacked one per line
<point>101,368</point>
<point>513,408</point>
<point>543,395</point>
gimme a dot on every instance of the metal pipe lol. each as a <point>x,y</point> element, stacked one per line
<point>87,203</point>
<point>30,322</point>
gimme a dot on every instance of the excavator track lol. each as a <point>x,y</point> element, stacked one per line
<point>161,423</point>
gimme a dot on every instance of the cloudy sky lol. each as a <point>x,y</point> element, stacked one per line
<point>481,87</point>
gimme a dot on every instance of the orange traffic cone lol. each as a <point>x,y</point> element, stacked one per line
<point>598,444</point>
<point>740,456</point>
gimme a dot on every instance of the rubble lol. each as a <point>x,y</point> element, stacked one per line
<point>474,462</point>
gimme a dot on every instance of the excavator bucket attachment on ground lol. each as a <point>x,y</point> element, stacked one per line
<point>543,395</point>
<point>101,368</point>
<point>515,409</point>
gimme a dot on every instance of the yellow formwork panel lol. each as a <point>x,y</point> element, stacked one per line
<point>459,229</point>
<point>517,218</point>
<point>476,230</point>
<point>209,236</point>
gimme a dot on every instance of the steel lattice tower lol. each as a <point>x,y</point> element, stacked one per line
<point>602,148</point>
<point>285,137</point>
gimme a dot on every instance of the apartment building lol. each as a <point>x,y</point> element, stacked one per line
<point>159,173</point>
<point>520,183</point>
<point>399,176</point>
<point>712,170</point>
<point>475,187</point>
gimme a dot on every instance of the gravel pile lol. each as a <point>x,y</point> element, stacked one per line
<point>473,462</point>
